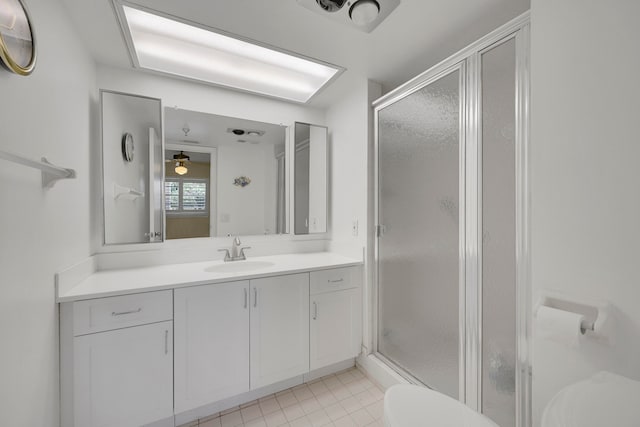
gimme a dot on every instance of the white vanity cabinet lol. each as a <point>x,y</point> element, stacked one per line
<point>117,361</point>
<point>211,343</point>
<point>177,353</point>
<point>239,336</point>
<point>279,328</point>
<point>335,316</point>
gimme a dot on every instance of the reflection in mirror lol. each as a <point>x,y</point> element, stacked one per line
<point>234,183</point>
<point>187,191</point>
<point>310,179</point>
<point>131,168</point>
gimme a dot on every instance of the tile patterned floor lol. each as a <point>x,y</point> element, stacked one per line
<point>345,399</point>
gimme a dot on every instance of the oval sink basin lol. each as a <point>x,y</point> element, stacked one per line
<point>238,266</point>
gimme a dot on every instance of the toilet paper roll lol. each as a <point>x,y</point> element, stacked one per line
<point>559,326</point>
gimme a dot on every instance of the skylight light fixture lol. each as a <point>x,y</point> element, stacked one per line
<point>166,45</point>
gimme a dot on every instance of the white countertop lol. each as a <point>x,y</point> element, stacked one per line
<point>135,280</point>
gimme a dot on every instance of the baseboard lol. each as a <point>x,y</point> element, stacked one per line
<point>379,371</point>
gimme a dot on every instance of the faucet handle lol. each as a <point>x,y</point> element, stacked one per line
<point>242,255</point>
<point>237,241</point>
<point>227,256</point>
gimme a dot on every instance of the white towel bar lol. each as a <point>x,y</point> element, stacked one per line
<point>50,173</point>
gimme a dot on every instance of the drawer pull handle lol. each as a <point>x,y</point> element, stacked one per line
<point>315,310</point>
<point>166,341</point>
<point>335,281</point>
<point>255,297</point>
<point>246,294</point>
<point>122,313</point>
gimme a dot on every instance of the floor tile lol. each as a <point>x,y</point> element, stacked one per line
<point>326,399</point>
<point>335,411</point>
<point>231,420</point>
<point>344,422</point>
<point>362,417</point>
<point>301,422</point>
<point>310,405</point>
<point>351,404</point>
<point>250,413</point>
<point>293,412</point>
<point>286,399</point>
<point>213,422</point>
<point>268,406</point>
<point>319,418</point>
<point>302,393</point>
<point>345,399</point>
<point>275,419</point>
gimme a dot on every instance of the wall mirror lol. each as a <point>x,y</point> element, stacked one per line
<point>310,178</point>
<point>132,165</point>
<point>224,176</point>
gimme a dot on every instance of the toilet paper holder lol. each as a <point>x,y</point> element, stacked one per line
<point>595,312</point>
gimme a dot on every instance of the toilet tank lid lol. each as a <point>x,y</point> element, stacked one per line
<point>411,405</point>
<point>602,400</point>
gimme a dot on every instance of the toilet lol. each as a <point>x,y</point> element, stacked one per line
<point>605,399</point>
<point>414,406</point>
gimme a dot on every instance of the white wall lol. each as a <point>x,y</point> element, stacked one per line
<point>350,123</point>
<point>48,114</point>
<point>585,178</point>
<point>248,210</point>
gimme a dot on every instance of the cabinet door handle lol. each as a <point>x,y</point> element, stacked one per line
<point>315,310</point>
<point>335,281</point>
<point>166,341</point>
<point>255,297</point>
<point>122,313</point>
<point>246,296</point>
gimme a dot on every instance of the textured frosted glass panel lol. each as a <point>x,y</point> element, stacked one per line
<point>498,239</point>
<point>418,254</point>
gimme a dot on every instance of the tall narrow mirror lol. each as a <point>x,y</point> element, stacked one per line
<point>310,178</point>
<point>225,176</point>
<point>131,168</point>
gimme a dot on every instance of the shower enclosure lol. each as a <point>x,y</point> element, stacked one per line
<point>451,274</point>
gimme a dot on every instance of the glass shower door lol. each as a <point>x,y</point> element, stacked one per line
<point>419,253</point>
<point>498,123</point>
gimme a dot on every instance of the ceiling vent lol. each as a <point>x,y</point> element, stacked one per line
<point>364,15</point>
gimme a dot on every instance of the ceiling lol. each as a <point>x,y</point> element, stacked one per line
<point>417,35</point>
<point>212,130</point>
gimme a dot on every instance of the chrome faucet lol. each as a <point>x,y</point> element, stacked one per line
<point>237,252</point>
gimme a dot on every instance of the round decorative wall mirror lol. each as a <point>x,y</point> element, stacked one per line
<point>17,41</point>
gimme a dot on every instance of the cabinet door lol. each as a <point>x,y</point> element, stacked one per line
<point>212,343</point>
<point>335,327</point>
<point>279,328</point>
<point>124,377</point>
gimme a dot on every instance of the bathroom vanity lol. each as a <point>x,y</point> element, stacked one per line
<point>168,344</point>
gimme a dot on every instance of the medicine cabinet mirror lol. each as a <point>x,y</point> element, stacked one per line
<point>224,176</point>
<point>132,165</point>
<point>310,178</point>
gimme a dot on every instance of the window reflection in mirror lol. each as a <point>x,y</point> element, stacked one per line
<point>234,183</point>
<point>187,193</point>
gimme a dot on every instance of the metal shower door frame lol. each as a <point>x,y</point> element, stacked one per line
<point>468,62</point>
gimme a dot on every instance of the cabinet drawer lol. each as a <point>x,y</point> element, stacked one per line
<point>334,280</point>
<point>103,314</point>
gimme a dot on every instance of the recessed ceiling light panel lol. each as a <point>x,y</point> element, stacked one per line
<point>167,45</point>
